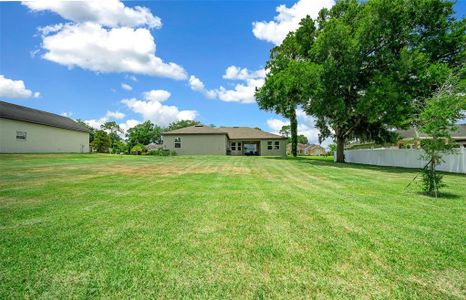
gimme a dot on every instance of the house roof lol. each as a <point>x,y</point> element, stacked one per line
<point>196,129</point>
<point>233,133</point>
<point>245,133</point>
<point>26,114</point>
<point>459,133</point>
<point>306,146</point>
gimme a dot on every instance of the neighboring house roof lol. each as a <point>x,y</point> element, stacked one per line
<point>299,146</point>
<point>459,133</point>
<point>153,146</point>
<point>26,114</point>
<point>306,146</point>
<point>233,133</point>
<point>313,146</point>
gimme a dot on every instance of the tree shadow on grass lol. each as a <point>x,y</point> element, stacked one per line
<point>441,196</point>
<point>331,164</point>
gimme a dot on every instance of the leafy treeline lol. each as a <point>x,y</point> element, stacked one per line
<point>364,68</point>
<point>110,135</point>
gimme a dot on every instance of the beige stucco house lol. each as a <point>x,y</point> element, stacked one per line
<point>308,149</point>
<point>204,140</point>
<point>27,130</point>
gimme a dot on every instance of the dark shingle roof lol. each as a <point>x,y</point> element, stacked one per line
<point>459,133</point>
<point>233,133</point>
<point>26,114</point>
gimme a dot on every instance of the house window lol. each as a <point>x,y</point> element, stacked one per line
<point>239,146</point>
<point>233,146</point>
<point>178,142</point>
<point>277,145</point>
<point>269,145</point>
<point>21,135</point>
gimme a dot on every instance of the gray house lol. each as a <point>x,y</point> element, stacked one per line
<point>204,140</point>
<point>27,130</point>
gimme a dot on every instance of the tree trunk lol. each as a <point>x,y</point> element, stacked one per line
<point>294,133</point>
<point>340,149</point>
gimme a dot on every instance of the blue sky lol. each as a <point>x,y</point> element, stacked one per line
<point>173,55</point>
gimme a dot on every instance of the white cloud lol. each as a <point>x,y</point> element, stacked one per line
<point>236,73</point>
<point>288,19</point>
<point>156,95</point>
<point>132,77</point>
<point>198,86</point>
<point>242,92</point>
<point>306,127</point>
<point>92,47</point>
<point>276,125</point>
<point>67,114</point>
<point>111,13</point>
<point>126,86</point>
<point>10,88</point>
<point>46,30</point>
<point>128,124</point>
<point>151,108</point>
<point>110,115</point>
<point>114,115</point>
<point>103,36</point>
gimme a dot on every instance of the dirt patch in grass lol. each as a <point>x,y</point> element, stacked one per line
<point>164,170</point>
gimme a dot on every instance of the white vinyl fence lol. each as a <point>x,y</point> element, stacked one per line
<point>406,158</point>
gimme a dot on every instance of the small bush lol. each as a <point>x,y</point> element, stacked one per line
<point>161,152</point>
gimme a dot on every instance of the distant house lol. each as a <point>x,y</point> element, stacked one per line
<point>204,140</point>
<point>27,130</point>
<point>308,149</point>
<point>153,146</point>
<point>410,135</point>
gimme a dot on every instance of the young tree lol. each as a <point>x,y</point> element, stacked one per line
<point>101,141</point>
<point>374,70</point>
<point>182,124</point>
<point>438,120</point>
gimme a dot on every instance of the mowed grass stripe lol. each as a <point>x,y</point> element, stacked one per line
<point>224,227</point>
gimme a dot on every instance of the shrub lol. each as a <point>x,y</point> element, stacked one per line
<point>137,149</point>
<point>161,152</point>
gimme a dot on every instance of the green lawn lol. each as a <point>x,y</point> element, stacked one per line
<point>79,226</point>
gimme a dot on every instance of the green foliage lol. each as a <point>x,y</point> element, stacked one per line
<point>332,149</point>
<point>144,134</point>
<point>289,81</point>
<point>89,128</point>
<point>285,131</point>
<point>113,130</point>
<point>182,124</point>
<point>438,120</point>
<point>302,139</point>
<point>101,141</point>
<point>378,59</point>
<point>119,147</point>
<point>161,152</point>
<point>138,149</point>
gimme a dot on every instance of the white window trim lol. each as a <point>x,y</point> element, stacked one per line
<point>178,141</point>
